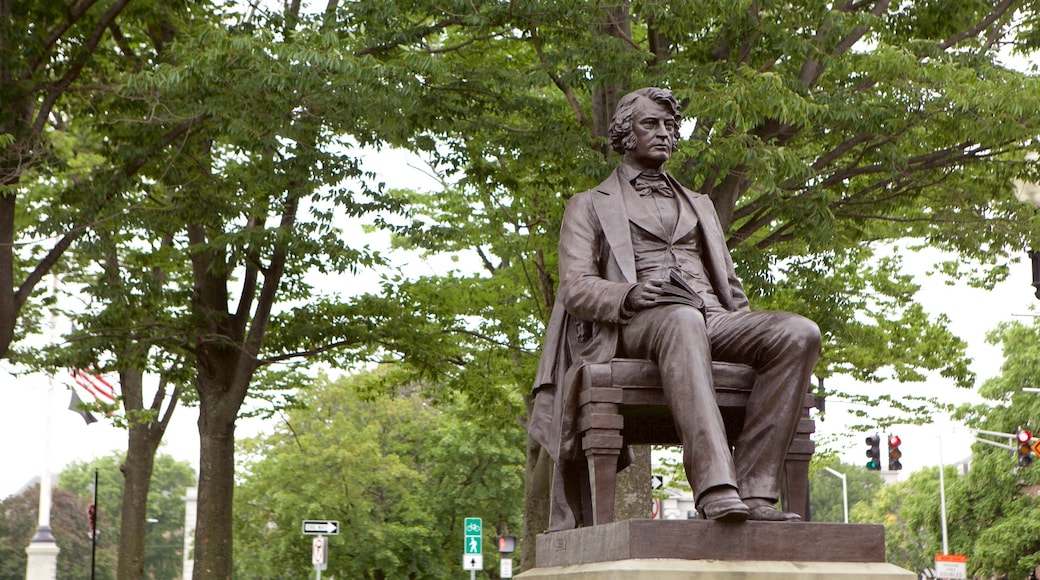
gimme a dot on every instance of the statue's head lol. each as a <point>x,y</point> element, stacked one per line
<point>621,138</point>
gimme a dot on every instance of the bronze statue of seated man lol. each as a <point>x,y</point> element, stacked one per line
<point>645,273</point>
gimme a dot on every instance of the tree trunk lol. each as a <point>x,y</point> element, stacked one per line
<point>536,501</point>
<point>8,310</point>
<point>726,194</point>
<point>143,440</point>
<point>137,478</point>
<point>15,119</point>
<point>607,92</point>
<point>633,498</point>
<point>216,489</point>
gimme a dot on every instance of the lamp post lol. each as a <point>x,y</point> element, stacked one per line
<point>844,490</point>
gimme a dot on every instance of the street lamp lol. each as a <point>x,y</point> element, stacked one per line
<point>844,490</point>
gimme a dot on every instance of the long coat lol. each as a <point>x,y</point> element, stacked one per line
<point>597,269</point>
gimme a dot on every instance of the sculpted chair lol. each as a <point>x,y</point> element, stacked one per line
<point>622,403</point>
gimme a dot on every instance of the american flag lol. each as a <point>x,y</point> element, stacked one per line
<point>96,385</point>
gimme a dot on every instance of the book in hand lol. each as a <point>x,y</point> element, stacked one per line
<point>677,291</point>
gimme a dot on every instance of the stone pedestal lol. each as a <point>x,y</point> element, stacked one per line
<point>42,563</point>
<point>681,549</point>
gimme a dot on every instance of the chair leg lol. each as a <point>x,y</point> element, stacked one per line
<point>796,487</point>
<point>603,480</point>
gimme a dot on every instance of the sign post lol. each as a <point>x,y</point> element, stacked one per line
<point>320,544</point>
<point>473,537</point>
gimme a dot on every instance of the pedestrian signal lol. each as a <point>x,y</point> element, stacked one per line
<point>507,544</point>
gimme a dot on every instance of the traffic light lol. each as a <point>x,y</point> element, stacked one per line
<point>894,453</point>
<point>874,453</point>
<point>507,544</point>
<point>1025,458</point>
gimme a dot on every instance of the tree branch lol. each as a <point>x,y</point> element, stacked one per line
<point>77,66</point>
<point>572,100</point>
<point>76,12</point>
<point>990,18</point>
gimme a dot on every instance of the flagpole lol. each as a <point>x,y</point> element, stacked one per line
<point>42,561</point>
<point>43,529</point>
<point>93,526</point>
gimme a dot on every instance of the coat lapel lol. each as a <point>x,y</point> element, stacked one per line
<point>610,209</point>
<point>687,219</point>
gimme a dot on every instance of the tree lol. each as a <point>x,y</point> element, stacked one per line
<point>823,132</point>
<point>63,172</point>
<point>398,472</point>
<point>236,227</point>
<point>72,495</point>
<point>997,520</point>
<point>58,61</point>
<point>199,243</point>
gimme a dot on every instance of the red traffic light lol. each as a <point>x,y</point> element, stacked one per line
<point>894,441</point>
<point>1025,453</point>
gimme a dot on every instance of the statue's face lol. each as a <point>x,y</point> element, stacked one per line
<point>653,127</point>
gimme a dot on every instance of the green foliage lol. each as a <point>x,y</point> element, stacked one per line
<point>829,138</point>
<point>396,471</point>
<point>205,159</point>
<point>909,511</point>
<point>164,542</point>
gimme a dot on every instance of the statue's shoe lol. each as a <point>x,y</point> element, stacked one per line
<point>727,509</point>
<point>768,513</point>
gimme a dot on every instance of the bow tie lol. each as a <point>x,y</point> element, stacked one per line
<point>645,184</point>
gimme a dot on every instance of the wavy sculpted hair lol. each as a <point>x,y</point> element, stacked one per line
<point>621,137</point>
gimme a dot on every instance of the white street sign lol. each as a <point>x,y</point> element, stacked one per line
<point>320,552</point>
<point>951,566</point>
<point>505,568</point>
<point>473,562</point>
<point>321,527</point>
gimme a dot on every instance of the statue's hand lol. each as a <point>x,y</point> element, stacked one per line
<point>645,295</point>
